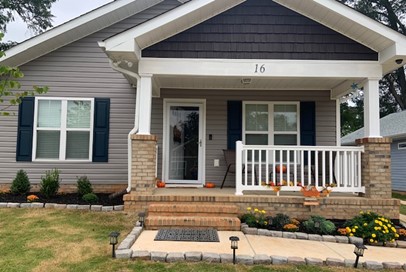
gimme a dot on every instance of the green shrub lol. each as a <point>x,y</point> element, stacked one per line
<point>319,225</point>
<point>90,198</point>
<point>21,184</point>
<point>280,220</point>
<point>255,218</point>
<point>372,227</point>
<point>50,183</point>
<point>84,186</point>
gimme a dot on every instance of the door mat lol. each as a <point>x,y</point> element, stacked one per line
<point>193,235</point>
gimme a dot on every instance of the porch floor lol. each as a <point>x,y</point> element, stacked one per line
<point>189,191</point>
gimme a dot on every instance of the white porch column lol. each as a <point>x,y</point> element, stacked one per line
<point>372,127</point>
<point>145,104</point>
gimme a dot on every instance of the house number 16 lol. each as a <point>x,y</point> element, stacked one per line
<point>260,68</point>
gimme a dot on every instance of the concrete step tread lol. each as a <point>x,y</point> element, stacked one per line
<point>219,223</point>
<point>193,208</point>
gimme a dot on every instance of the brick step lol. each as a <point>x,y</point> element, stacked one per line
<point>155,222</point>
<point>193,210</point>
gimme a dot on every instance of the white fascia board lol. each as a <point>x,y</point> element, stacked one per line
<point>196,11</point>
<point>389,56</point>
<point>83,22</point>
<point>271,68</point>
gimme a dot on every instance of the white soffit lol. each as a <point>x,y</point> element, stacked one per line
<point>74,30</point>
<point>168,24</point>
<point>347,21</point>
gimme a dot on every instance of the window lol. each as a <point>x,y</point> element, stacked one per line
<point>271,123</point>
<point>402,145</point>
<point>63,129</point>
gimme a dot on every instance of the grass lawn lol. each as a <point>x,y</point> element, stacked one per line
<point>399,196</point>
<point>403,209</point>
<point>62,240</point>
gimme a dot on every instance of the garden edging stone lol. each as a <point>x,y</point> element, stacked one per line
<point>39,205</point>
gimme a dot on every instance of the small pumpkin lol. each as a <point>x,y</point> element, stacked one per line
<point>160,184</point>
<point>278,169</point>
<point>210,185</point>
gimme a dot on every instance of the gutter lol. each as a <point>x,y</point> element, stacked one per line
<point>114,66</point>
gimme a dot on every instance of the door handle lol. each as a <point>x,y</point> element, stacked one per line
<point>200,143</point>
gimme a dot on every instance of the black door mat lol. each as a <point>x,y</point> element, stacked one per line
<point>193,235</point>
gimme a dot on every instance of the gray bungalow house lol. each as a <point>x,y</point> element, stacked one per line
<point>146,89</point>
<point>392,126</point>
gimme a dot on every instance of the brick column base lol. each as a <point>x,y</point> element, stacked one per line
<point>376,167</point>
<point>143,165</point>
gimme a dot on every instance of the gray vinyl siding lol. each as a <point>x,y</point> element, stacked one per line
<point>216,119</point>
<point>260,29</point>
<point>80,69</point>
<point>398,166</point>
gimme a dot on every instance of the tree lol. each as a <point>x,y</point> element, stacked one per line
<point>392,13</point>
<point>10,94</point>
<point>37,15</point>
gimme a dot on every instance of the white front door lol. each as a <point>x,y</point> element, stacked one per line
<point>184,142</point>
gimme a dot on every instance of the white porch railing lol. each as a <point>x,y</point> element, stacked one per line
<point>319,166</point>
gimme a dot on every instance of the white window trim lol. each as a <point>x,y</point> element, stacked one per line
<point>271,132</point>
<point>63,130</point>
<point>402,147</point>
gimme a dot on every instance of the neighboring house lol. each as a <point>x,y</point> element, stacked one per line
<point>392,126</point>
<point>193,77</point>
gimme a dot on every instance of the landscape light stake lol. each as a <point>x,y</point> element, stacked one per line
<point>113,242</point>
<point>141,218</point>
<point>234,245</point>
<point>359,252</point>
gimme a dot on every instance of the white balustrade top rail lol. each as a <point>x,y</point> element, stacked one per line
<point>260,167</point>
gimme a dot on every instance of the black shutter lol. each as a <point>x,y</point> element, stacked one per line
<point>25,129</point>
<point>234,123</point>
<point>307,123</point>
<point>101,129</point>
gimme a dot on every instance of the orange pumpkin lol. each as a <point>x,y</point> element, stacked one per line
<point>160,184</point>
<point>278,169</point>
<point>210,185</point>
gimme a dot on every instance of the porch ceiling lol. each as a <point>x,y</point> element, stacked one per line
<point>257,83</point>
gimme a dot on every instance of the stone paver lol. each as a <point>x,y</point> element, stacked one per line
<point>315,237</point>
<point>60,206</point>
<point>262,259</point>
<point>335,262</point>
<point>392,265</point>
<point>3,205</point>
<point>13,205</point>
<point>351,262</point>
<point>355,240</point>
<point>245,259</point>
<point>83,207</point>
<point>118,208</point>
<point>193,256</point>
<point>275,233</point>
<point>25,205</point>
<point>50,205</point>
<point>279,260</point>
<point>141,254</point>
<point>373,265</point>
<point>289,235</point>
<point>123,253</point>
<point>96,207</point>
<point>158,256</point>
<point>253,231</point>
<point>296,261</point>
<point>264,232</point>
<point>211,257</point>
<point>226,258</point>
<point>71,206</point>
<point>107,209</point>
<point>37,205</point>
<point>401,244</point>
<point>174,257</point>
<point>314,261</point>
<point>329,238</point>
<point>302,235</point>
<point>342,239</point>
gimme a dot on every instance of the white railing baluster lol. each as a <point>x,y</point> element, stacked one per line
<point>341,164</point>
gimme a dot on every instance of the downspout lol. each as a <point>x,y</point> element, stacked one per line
<point>115,67</point>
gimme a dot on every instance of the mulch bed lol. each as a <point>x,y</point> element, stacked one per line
<point>68,198</point>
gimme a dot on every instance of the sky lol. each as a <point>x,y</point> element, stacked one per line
<point>63,10</point>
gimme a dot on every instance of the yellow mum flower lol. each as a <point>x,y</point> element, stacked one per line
<point>376,228</point>
<point>351,234</point>
<point>354,230</point>
<point>347,229</point>
<point>249,208</point>
<point>365,224</point>
<point>263,211</point>
<point>376,221</point>
<point>256,210</point>
<point>371,240</point>
<point>397,235</point>
<point>361,212</point>
<point>356,227</point>
<point>389,225</point>
<point>373,235</point>
<point>380,223</point>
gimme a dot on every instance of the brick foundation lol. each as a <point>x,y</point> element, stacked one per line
<point>376,167</point>
<point>143,176</point>
<point>331,207</point>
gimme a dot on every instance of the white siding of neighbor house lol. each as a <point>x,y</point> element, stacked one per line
<point>398,166</point>
<point>80,69</point>
<point>216,120</point>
